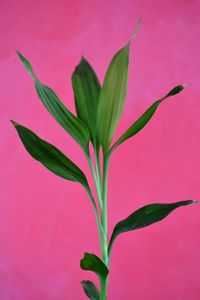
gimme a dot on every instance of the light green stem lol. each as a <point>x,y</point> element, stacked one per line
<point>98,167</point>
<point>100,228</point>
<point>103,288</point>
<point>101,189</point>
<point>104,219</point>
<point>96,181</point>
<point>104,208</point>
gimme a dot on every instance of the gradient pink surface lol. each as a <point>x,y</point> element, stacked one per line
<point>46,223</point>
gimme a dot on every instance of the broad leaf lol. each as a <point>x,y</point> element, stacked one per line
<point>86,88</point>
<point>93,263</point>
<point>144,119</point>
<point>74,126</point>
<point>146,216</point>
<point>52,158</point>
<point>112,95</point>
<point>90,290</point>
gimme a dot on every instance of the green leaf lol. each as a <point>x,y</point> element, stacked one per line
<point>86,88</point>
<point>146,216</point>
<point>27,65</point>
<point>74,126</point>
<point>144,119</point>
<point>52,158</point>
<point>90,290</point>
<point>112,95</point>
<point>93,263</point>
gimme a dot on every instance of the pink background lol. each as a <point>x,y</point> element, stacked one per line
<point>46,223</point>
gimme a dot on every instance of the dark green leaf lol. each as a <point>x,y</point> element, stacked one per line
<point>52,158</point>
<point>144,119</point>
<point>90,290</point>
<point>112,95</point>
<point>146,216</point>
<point>74,126</point>
<point>176,90</point>
<point>93,263</point>
<point>86,88</point>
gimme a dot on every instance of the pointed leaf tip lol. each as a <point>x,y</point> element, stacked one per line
<point>14,123</point>
<point>26,64</point>
<point>194,201</point>
<point>19,54</point>
<point>136,29</point>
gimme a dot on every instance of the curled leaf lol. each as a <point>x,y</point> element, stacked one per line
<point>93,263</point>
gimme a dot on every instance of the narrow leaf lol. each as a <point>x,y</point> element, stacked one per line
<point>27,65</point>
<point>74,126</point>
<point>93,263</point>
<point>90,290</point>
<point>144,119</point>
<point>86,88</point>
<point>112,95</point>
<point>146,216</point>
<point>52,158</point>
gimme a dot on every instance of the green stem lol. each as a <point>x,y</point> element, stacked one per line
<point>100,228</point>
<point>101,189</point>
<point>98,166</point>
<point>104,220</point>
<point>96,181</point>
<point>104,207</point>
<point>103,288</point>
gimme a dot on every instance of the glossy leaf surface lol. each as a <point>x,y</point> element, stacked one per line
<point>93,263</point>
<point>74,126</point>
<point>112,95</point>
<point>144,119</point>
<point>86,88</point>
<point>90,290</point>
<point>146,216</point>
<point>52,158</point>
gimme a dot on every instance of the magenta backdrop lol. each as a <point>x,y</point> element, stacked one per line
<point>46,223</point>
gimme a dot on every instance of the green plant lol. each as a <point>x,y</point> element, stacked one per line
<point>98,111</point>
